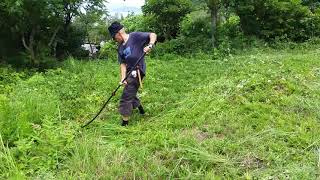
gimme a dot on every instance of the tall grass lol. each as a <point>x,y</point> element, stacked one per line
<point>250,115</point>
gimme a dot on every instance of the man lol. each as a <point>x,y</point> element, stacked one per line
<point>131,47</point>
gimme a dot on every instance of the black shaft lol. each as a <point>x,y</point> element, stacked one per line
<point>114,92</point>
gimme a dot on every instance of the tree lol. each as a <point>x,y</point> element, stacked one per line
<point>214,6</point>
<point>34,22</point>
<point>312,4</point>
<point>77,8</point>
<point>94,22</point>
<point>199,4</point>
<point>287,19</point>
<point>40,26</point>
<point>167,14</point>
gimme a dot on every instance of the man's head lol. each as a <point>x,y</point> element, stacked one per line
<point>116,30</point>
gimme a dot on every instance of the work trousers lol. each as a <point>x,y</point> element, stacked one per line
<point>129,99</point>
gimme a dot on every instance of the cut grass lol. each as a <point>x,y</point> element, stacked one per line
<point>248,116</point>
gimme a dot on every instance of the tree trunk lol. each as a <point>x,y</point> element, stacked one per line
<point>53,36</point>
<point>54,49</point>
<point>30,47</point>
<point>53,43</point>
<point>214,17</point>
<point>67,16</point>
<point>67,22</point>
<point>91,49</point>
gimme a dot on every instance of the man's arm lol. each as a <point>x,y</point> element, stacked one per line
<point>123,72</point>
<point>153,39</point>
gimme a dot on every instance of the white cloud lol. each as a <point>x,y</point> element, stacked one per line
<point>124,6</point>
<point>117,3</point>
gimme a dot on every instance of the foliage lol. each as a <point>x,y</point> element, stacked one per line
<point>71,44</point>
<point>182,45</point>
<point>196,24</point>
<point>312,4</point>
<point>109,51</point>
<point>199,4</point>
<point>278,19</point>
<point>195,37</point>
<point>94,23</point>
<point>139,23</point>
<point>40,29</point>
<point>167,14</point>
<point>230,37</point>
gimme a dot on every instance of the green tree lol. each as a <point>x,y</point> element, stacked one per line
<point>39,27</point>
<point>167,14</point>
<point>273,19</point>
<point>312,4</point>
<point>219,10</point>
<point>139,23</point>
<point>199,4</point>
<point>214,6</point>
<point>92,20</point>
<point>76,9</point>
<point>34,23</point>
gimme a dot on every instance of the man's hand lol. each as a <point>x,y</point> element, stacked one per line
<point>148,48</point>
<point>123,83</point>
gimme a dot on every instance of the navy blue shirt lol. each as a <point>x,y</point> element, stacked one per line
<point>130,52</point>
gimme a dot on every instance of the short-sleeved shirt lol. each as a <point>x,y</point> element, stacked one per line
<point>130,52</point>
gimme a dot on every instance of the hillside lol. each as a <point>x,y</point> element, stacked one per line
<point>253,114</point>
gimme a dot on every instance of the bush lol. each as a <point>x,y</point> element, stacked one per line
<point>81,53</point>
<point>139,23</point>
<point>196,24</point>
<point>196,36</point>
<point>167,16</point>
<point>109,51</point>
<point>71,41</point>
<point>278,20</point>
<point>182,46</point>
<point>230,36</point>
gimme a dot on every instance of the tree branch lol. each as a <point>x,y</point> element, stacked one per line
<point>53,36</point>
<point>24,43</point>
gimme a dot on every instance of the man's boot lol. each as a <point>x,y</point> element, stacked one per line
<point>141,110</point>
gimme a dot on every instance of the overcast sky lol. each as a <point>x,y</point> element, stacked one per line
<point>115,5</point>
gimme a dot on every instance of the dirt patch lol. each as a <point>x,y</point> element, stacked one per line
<point>201,136</point>
<point>252,162</point>
<point>219,136</point>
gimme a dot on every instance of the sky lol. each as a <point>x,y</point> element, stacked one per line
<point>121,6</point>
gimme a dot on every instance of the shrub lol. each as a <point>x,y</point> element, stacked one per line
<point>280,20</point>
<point>196,23</point>
<point>182,46</point>
<point>109,51</point>
<point>139,23</point>
<point>167,15</point>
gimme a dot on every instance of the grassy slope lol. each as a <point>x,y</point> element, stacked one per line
<point>252,115</point>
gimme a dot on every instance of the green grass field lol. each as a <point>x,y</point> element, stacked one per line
<point>254,115</point>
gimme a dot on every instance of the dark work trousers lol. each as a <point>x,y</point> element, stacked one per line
<point>129,99</point>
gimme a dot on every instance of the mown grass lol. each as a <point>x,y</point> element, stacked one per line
<point>251,115</point>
